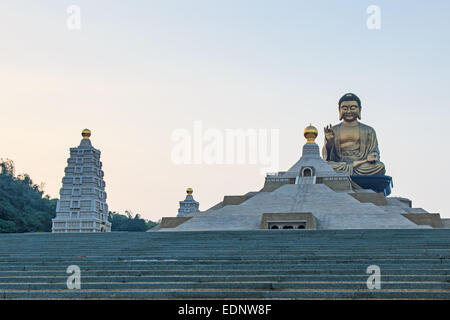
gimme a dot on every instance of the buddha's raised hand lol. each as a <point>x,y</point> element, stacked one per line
<point>329,134</point>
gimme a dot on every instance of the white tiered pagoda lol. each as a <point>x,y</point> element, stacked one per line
<point>82,205</point>
<point>189,205</point>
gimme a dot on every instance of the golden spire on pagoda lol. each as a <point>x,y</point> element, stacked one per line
<point>310,134</point>
<point>86,133</point>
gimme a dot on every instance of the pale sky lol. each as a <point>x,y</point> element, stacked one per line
<point>139,70</point>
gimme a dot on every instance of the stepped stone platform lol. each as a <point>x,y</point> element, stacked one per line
<point>257,264</point>
<point>310,187</point>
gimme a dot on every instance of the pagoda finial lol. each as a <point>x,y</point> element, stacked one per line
<point>86,133</point>
<point>310,134</point>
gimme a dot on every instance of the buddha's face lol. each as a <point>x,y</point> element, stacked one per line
<point>349,111</point>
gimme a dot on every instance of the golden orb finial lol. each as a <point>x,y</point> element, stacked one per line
<point>86,133</point>
<point>189,191</point>
<point>310,134</point>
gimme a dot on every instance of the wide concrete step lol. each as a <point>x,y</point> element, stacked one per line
<point>230,265</point>
<point>238,243</point>
<point>229,252</point>
<point>212,256</point>
<point>148,267</point>
<point>214,278</point>
<point>261,285</point>
<point>224,272</point>
<point>240,294</point>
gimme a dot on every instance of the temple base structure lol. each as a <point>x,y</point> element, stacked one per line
<point>377,183</point>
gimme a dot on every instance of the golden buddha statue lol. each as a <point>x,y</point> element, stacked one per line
<point>351,145</point>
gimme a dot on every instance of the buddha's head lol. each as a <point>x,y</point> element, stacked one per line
<point>349,107</point>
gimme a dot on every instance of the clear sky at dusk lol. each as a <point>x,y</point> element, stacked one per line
<point>137,71</point>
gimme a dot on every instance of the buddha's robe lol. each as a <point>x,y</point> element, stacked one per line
<point>342,158</point>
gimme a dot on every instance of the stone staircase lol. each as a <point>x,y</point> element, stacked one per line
<point>262,264</point>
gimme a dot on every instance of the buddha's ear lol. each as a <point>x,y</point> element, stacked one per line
<point>340,114</point>
<point>359,113</point>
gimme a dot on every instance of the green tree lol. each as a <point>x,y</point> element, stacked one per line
<point>23,208</point>
<point>128,223</point>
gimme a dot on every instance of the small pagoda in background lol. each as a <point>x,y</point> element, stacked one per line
<point>189,205</point>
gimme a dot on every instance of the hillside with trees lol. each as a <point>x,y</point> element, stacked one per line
<point>128,223</point>
<point>25,208</point>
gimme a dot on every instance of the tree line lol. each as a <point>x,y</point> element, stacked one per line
<point>25,208</point>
